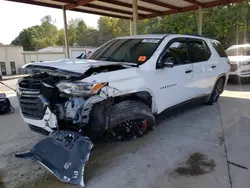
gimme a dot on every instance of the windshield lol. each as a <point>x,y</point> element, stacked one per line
<point>127,50</point>
<point>238,51</point>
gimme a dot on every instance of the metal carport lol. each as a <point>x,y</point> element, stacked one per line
<point>132,10</point>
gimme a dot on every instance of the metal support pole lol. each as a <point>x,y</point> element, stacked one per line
<point>131,27</point>
<point>237,28</point>
<point>135,16</point>
<point>200,21</point>
<point>66,33</point>
<point>246,24</point>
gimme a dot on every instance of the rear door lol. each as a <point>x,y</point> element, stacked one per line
<point>220,57</point>
<point>204,68</point>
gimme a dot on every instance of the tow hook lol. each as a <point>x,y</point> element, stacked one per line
<point>63,153</point>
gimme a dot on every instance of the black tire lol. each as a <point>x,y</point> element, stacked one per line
<point>218,89</point>
<point>131,112</point>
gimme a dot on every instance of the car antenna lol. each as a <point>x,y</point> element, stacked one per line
<point>7,86</point>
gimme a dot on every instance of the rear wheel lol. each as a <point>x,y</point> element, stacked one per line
<point>218,89</point>
<point>130,120</point>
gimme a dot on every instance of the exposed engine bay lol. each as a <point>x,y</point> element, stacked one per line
<point>40,91</point>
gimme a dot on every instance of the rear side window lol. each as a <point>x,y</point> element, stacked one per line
<point>199,51</point>
<point>218,47</point>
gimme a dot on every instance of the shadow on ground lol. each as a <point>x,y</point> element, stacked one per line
<point>238,87</point>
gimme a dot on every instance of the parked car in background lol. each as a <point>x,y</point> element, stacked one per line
<point>116,92</point>
<point>239,56</point>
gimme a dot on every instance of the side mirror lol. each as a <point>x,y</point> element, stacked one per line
<point>170,61</point>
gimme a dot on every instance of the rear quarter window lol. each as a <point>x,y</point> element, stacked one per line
<point>218,47</point>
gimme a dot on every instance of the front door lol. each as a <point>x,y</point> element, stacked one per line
<point>174,84</point>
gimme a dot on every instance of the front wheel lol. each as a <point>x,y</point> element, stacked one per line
<point>130,120</point>
<point>218,89</point>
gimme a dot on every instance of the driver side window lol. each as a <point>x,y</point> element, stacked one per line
<point>177,52</point>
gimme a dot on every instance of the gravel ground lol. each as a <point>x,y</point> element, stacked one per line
<point>149,161</point>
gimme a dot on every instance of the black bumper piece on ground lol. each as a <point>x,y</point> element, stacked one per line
<point>38,130</point>
<point>64,153</point>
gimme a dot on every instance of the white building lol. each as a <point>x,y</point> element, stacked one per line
<point>54,53</point>
<point>11,59</point>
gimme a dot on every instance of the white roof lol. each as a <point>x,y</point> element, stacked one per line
<point>156,36</point>
<point>160,36</point>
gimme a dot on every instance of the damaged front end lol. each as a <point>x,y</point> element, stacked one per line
<point>60,105</point>
<point>55,102</point>
<point>64,153</point>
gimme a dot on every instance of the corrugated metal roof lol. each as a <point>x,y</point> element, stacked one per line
<point>123,8</point>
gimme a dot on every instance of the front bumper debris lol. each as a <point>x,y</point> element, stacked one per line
<point>64,153</point>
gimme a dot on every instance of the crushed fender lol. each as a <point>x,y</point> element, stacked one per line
<point>64,153</point>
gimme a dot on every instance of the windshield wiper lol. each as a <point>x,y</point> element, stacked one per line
<point>120,61</point>
<point>111,59</point>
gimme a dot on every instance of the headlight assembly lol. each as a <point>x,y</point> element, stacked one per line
<point>80,88</point>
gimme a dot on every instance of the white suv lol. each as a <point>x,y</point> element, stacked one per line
<point>115,94</point>
<point>239,56</point>
<point>118,90</point>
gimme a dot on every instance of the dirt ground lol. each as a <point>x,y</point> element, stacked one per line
<point>149,161</point>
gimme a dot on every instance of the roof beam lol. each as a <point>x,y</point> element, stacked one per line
<point>75,9</point>
<point>77,4</point>
<point>194,7</point>
<point>195,2</point>
<point>66,1</point>
<point>100,13</point>
<point>108,8</point>
<point>127,5</point>
<point>37,3</point>
<point>161,4</point>
<point>129,13</point>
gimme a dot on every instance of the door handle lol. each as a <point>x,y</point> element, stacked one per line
<point>188,71</point>
<point>213,66</point>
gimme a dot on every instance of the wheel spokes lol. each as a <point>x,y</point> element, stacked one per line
<point>129,130</point>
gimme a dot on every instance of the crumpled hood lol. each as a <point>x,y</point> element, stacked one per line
<point>79,66</point>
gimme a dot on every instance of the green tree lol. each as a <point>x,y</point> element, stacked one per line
<point>60,38</point>
<point>37,37</point>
